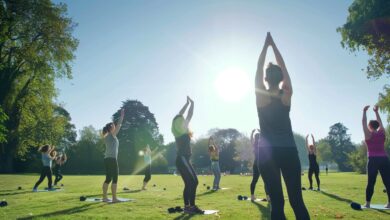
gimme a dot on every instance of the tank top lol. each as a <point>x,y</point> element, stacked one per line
<point>312,160</point>
<point>46,160</point>
<point>183,144</point>
<point>147,158</point>
<point>376,144</point>
<point>275,124</point>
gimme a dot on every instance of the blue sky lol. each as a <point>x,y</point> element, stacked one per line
<point>160,51</point>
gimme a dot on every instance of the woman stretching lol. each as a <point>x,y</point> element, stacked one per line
<point>378,159</point>
<point>256,171</point>
<point>313,165</point>
<point>277,149</point>
<point>214,157</point>
<point>111,157</point>
<point>60,161</point>
<point>180,129</point>
<point>48,155</point>
<point>148,166</point>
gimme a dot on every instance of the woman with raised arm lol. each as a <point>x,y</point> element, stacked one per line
<point>378,160</point>
<point>180,129</point>
<point>59,162</point>
<point>48,155</point>
<point>313,165</point>
<point>256,172</point>
<point>277,149</point>
<point>214,158</point>
<point>110,132</point>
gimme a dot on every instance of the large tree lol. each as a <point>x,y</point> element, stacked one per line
<point>341,145</point>
<point>368,28</point>
<point>139,128</point>
<point>36,47</point>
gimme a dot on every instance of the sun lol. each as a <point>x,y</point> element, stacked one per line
<point>232,84</point>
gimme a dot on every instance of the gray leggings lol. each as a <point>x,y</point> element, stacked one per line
<point>217,173</point>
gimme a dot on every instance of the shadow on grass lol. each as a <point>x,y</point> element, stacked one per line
<point>15,193</point>
<point>333,196</point>
<point>130,191</point>
<point>184,216</point>
<point>206,193</point>
<point>264,210</point>
<point>65,211</point>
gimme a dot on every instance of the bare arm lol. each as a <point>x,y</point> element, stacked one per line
<point>252,139</point>
<point>307,143</point>
<point>190,111</point>
<point>314,145</point>
<point>182,110</point>
<point>259,79</point>
<point>367,133</point>
<point>119,124</point>
<point>378,118</point>
<point>287,86</point>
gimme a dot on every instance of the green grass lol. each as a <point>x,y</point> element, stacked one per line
<point>333,203</point>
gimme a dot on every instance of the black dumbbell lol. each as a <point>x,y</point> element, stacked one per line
<point>384,190</point>
<point>19,187</point>
<point>356,206</point>
<point>208,187</point>
<point>244,198</point>
<point>83,198</point>
<point>171,210</point>
<point>165,189</point>
<point>154,185</point>
<point>204,184</point>
<point>239,197</point>
<point>3,203</point>
<point>178,209</point>
<point>125,188</point>
<point>303,188</point>
<point>62,184</point>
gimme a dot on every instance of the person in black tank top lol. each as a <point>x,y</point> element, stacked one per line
<point>277,150</point>
<point>183,143</point>
<point>313,165</point>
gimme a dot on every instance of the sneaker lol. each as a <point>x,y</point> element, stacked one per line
<point>318,189</point>
<point>310,188</point>
<point>193,210</point>
<point>35,190</point>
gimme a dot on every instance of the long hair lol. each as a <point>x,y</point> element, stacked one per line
<point>107,128</point>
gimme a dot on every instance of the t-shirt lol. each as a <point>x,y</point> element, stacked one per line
<point>112,145</point>
<point>376,144</point>
<point>46,160</point>
<point>147,158</point>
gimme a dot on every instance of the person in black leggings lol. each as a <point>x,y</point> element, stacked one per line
<point>313,165</point>
<point>48,155</point>
<point>256,172</point>
<point>60,161</point>
<point>183,138</point>
<point>278,153</point>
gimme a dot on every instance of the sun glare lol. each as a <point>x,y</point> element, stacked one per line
<point>232,84</point>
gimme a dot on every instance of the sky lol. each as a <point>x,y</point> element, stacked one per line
<point>158,52</point>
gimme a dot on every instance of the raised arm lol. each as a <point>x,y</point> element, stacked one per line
<point>191,110</point>
<point>287,86</point>
<point>367,133</point>
<point>378,118</point>
<point>307,143</point>
<point>182,110</point>
<point>252,138</point>
<point>119,123</point>
<point>259,79</point>
<point>314,144</point>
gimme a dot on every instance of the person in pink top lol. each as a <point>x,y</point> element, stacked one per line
<point>374,135</point>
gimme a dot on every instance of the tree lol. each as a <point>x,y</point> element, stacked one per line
<point>169,153</point>
<point>139,128</point>
<point>87,155</point>
<point>324,151</point>
<point>36,47</point>
<point>301,147</point>
<point>341,145</point>
<point>200,156</point>
<point>368,28</point>
<point>3,129</point>
<point>358,158</point>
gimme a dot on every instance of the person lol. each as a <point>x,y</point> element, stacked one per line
<point>313,165</point>
<point>59,162</point>
<point>181,132</point>
<point>48,155</point>
<point>256,172</point>
<point>148,166</point>
<point>111,141</point>
<point>214,157</point>
<point>277,149</point>
<point>378,160</point>
<point>326,169</point>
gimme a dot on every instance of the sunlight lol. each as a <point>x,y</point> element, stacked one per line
<point>232,84</point>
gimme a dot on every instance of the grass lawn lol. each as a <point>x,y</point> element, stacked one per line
<point>339,190</point>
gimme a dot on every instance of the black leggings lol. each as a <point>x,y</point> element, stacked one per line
<point>314,169</point>
<point>46,172</point>
<point>285,160</point>
<point>255,178</point>
<point>57,174</point>
<point>112,170</point>
<point>148,173</point>
<point>375,164</point>
<point>190,179</point>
